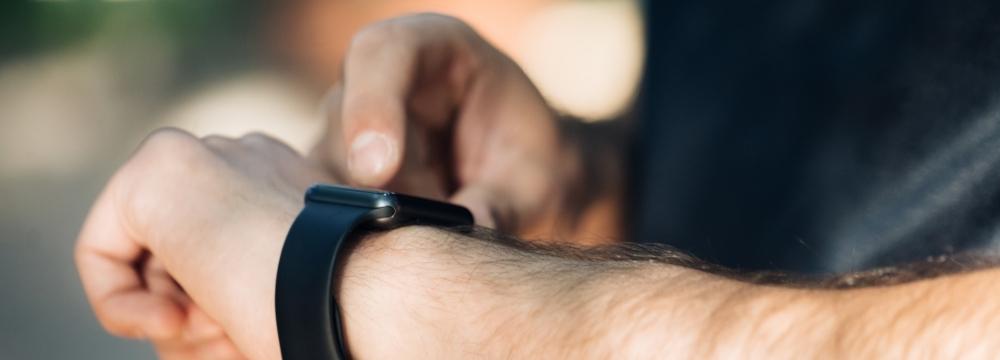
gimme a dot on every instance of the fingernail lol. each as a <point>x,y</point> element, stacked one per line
<point>370,154</point>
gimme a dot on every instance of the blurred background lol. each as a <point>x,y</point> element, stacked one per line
<point>82,82</point>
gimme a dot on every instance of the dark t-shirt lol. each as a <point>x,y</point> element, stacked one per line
<point>819,135</point>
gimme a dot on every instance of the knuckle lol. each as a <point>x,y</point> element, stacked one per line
<point>443,20</point>
<point>262,142</point>
<point>405,30</point>
<point>257,138</point>
<point>168,139</point>
<point>152,153</point>
<point>217,141</point>
<point>372,37</point>
<point>168,145</point>
<point>165,154</point>
<point>440,25</point>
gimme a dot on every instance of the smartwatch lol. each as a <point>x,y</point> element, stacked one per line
<point>307,313</point>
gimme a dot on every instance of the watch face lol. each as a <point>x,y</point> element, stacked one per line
<point>394,209</point>
<point>343,195</point>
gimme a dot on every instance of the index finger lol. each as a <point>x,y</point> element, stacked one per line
<point>385,65</point>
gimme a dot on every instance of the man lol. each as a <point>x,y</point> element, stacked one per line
<point>182,246</point>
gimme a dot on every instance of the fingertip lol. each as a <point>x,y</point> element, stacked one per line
<point>373,158</point>
<point>373,120</point>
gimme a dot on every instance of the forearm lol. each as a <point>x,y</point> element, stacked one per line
<point>952,316</point>
<point>693,314</point>
<point>506,298</point>
<point>455,293</point>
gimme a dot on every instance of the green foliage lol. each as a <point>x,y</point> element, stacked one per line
<point>199,25</point>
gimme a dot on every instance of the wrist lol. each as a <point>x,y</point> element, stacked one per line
<point>434,294</point>
<point>246,281</point>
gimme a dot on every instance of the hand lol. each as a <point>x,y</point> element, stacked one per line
<point>182,246</point>
<point>198,337</point>
<point>428,107</point>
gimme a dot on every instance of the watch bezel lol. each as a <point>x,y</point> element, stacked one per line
<point>391,209</point>
<point>342,195</point>
<point>384,204</point>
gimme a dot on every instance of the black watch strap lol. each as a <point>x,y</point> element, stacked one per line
<point>308,316</point>
<point>306,277</point>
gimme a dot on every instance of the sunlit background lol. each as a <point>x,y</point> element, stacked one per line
<point>82,81</point>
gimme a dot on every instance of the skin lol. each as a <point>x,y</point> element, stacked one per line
<point>429,108</point>
<point>182,246</point>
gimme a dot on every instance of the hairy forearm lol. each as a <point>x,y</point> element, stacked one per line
<point>660,309</point>
<point>677,310</point>
<point>694,314</point>
<point>946,317</point>
<point>502,297</point>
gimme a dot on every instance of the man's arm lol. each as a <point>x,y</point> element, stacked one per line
<point>444,293</point>
<point>182,248</point>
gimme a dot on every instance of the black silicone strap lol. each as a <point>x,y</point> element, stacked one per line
<point>307,313</point>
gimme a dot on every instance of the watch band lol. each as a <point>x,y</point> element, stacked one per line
<point>308,316</point>
<point>306,277</point>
